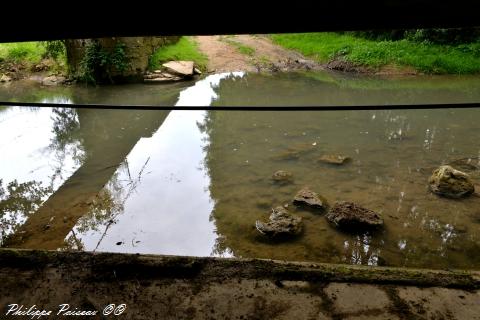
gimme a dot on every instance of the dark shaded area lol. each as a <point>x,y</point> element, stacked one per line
<point>305,17</point>
<point>434,35</point>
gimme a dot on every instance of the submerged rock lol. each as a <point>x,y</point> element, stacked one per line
<point>306,197</point>
<point>287,155</point>
<point>334,159</point>
<point>282,177</point>
<point>182,68</point>
<point>294,152</point>
<point>451,183</point>
<point>348,215</point>
<point>280,224</point>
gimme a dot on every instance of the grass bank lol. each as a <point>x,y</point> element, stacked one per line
<point>21,51</point>
<point>424,57</point>
<point>19,58</point>
<point>185,49</point>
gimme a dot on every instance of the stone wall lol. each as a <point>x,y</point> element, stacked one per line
<point>138,50</point>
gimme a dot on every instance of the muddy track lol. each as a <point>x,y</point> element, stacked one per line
<point>225,54</point>
<point>260,54</point>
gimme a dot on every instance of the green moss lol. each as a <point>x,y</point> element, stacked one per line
<point>424,57</point>
<point>185,49</point>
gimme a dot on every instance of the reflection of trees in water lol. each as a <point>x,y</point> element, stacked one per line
<point>360,251</point>
<point>442,238</point>
<point>17,202</point>
<point>106,207</point>
<point>66,140</point>
<point>103,210</point>
<point>206,127</point>
<point>220,248</point>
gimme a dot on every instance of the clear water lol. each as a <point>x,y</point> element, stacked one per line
<point>195,182</point>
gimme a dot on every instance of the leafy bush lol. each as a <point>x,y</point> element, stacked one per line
<point>98,64</point>
<point>381,34</point>
<point>54,49</point>
<point>444,36</point>
<point>452,36</point>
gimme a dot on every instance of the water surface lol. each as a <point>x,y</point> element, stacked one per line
<point>195,182</point>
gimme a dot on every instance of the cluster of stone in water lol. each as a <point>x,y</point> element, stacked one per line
<point>345,215</point>
<point>445,181</point>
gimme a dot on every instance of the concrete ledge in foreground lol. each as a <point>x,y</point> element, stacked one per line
<point>172,287</point>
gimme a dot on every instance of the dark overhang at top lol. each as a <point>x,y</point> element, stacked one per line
<point>83,20</point>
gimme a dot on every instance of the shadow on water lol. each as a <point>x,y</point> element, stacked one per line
<point>107,136</point>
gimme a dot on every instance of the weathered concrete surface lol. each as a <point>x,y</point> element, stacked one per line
<point>163,287</point>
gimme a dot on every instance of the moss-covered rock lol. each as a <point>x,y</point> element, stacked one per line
<point>282,177</point>
<point>451,183</point>
<point>281,224</point>
<point>334,159</point>
<point>309,198</point>
<point>348,215</point>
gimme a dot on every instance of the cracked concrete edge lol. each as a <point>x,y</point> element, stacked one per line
<point>106,266</point>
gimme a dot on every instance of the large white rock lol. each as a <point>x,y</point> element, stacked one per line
<point>183,68</point>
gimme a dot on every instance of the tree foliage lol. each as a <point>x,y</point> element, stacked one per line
<point>99,64</point>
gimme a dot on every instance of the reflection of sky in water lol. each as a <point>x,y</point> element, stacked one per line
<point>28,154</point>
<point>169,210</point>
<point>25,154</point>
<point>203,93</point>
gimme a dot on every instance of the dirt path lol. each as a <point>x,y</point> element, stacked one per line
<point>222,57</point>
<point>250,53</point>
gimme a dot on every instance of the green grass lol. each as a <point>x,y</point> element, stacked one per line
<point>185,49</point>
<point>242,48</point>
<point>31,52</point>
<point>428,58</point>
